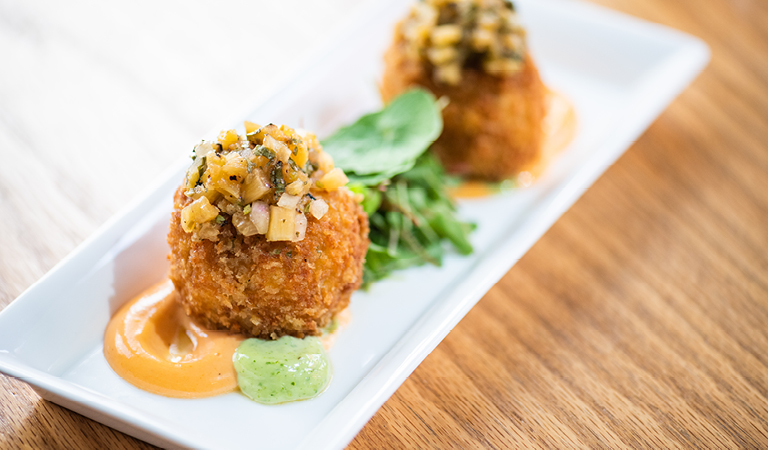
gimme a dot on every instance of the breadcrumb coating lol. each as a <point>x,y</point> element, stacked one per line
<point>269,289</point>
<point>492,125</point>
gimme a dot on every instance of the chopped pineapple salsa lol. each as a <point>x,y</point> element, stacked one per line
<point>452,35</point>
<point>262,183</point>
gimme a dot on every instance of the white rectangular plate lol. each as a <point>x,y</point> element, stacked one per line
<point>619,72</point>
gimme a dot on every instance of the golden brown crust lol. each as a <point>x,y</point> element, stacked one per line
<point>492,125</point>
<point>270,289</point>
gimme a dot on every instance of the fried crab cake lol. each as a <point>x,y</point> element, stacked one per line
<point>474,54</point>
<point>265,239</point>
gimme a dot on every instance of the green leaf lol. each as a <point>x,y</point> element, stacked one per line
<point>383,144</point>
<point>414,220</point>
<point>411,216</point>
<point>371,201</point>
<point>371,197</point>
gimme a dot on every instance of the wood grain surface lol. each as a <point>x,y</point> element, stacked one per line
<point>639,320</point>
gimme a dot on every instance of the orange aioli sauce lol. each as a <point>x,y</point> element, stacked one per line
<point>559,129</point>
<point>154,345</point>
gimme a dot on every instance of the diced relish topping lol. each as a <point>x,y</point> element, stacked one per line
<point>261,183</point>
<point>452,35</point>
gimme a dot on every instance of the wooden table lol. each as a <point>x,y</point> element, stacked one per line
<point>639,320</point>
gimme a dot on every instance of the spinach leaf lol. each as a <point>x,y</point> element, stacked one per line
<point>383,144</point>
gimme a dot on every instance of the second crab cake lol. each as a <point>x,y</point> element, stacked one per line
<point>474,53</point>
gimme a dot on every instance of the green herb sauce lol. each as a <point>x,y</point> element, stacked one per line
<point>285,370</point>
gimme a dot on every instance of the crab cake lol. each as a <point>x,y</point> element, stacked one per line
<point>265,238</point>
<point>474,53</point>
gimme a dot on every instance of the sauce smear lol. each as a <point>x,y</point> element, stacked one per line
<point>154,345</point>
<point>285,370</point>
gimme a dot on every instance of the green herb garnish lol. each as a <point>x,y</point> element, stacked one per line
<point>261,150</point>
<point>414,218</point>
<point>410,213</point>
<point>383,144</point>
<point>277,179</point>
